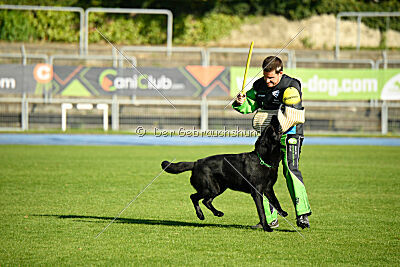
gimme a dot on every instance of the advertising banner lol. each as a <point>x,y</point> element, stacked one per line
<point>192,81</point>
<point>15,78</point>
<point>334,84</point>
<point>44,79</point>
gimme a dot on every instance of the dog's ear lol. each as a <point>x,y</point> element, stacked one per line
<point>275,123</point>
<point>268,133</point>
<point>273,131</point>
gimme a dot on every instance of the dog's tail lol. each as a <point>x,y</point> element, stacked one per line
<point>177,167</point>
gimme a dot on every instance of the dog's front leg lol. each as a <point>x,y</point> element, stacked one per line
<point>270,194</point>
<point>260,209</point>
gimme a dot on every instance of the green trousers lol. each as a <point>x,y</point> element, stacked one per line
<point>290,154</point>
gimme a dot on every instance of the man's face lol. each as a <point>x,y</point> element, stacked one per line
<point>272,78</point>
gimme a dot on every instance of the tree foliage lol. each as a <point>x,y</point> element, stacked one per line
<point>195,21</point>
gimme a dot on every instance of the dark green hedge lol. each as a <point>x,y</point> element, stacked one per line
<point>31,26</point>
<point>126,29</point>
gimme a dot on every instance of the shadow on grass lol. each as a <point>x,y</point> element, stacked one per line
<point>153,222</point>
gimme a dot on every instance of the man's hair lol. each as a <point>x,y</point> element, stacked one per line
<point>272,63</point>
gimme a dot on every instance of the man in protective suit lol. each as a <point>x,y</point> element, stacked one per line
<point>269,94</point>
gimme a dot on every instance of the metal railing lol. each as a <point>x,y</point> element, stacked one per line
<point>161,49</point>
<point>205,56</point>
<point>24,57</point>
<point>359,16</point>
<point>84,19</point>
<point>94,57</point>
<point>211,50</point>
<point>334,61</point>
<point>385,62</point>
<point>84,27</point>
<point>126,114</point>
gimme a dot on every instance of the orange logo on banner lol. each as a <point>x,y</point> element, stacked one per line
<point>43,73</point>
<point>205,75</point>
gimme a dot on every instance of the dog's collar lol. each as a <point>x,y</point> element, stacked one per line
<point>263,162</point>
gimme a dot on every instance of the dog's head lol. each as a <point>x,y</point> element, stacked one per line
<point>268,142</point>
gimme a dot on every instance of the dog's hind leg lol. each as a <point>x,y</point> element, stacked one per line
<point>208,203</point>
<point>270,194</point>
<point>195,199</point>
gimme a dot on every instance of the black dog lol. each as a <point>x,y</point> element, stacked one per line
<point>254,172</point>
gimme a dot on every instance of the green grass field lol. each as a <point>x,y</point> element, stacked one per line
<point>56,199</point>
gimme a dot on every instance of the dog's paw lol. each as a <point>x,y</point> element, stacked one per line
<point>219,214</point>
<point>200,216</point>
<point>283,213</point>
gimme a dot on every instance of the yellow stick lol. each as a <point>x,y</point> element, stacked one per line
<point>247,67</point>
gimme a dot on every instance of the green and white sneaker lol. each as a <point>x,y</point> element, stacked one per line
<point>274,224</point>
